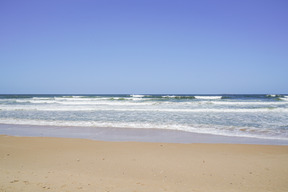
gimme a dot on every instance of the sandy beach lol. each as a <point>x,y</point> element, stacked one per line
<point>61,164</point>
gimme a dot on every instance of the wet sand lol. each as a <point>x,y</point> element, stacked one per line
<point>67,164</point>
<point>129,134</point>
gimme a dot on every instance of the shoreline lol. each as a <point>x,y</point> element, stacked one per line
<point>129,134</point>
<point>70,164</point>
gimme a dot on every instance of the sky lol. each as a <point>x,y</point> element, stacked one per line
<point>143,47</point>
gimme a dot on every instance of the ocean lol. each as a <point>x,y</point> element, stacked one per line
<point>253,116</point>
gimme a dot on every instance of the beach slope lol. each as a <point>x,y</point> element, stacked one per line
<point>60,164</point>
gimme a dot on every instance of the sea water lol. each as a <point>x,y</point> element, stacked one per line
<point>255,116</point>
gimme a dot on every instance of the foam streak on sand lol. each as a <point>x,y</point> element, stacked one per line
<point>53,164</point>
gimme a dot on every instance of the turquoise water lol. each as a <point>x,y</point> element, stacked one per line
<point>256,116</point>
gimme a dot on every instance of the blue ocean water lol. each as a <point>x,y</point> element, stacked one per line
<point>256,116</point>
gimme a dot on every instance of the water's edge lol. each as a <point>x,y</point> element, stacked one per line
<point>129,134</point>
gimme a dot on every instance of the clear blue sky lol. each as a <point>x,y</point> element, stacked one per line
<point>143,46</point>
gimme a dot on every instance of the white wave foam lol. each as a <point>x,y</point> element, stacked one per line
<point>137,96</point>
<point>195,128</point>
<point>271,95</point>
<point>43,101</point>
<point>73,99</point>
<point>284,98</point>
<point>43,98</point>
<point>145,101</point>
<point>169,96</point>
<point>111,103</point>
<point>84,101</point>
<point>22,101</point>
<point>243,103</point>
<point>139,108</point>
<point>208,97</point>
<point>179,96</point>
<point>87,100</point>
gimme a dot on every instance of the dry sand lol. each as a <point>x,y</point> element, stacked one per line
<point>59,164</point>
